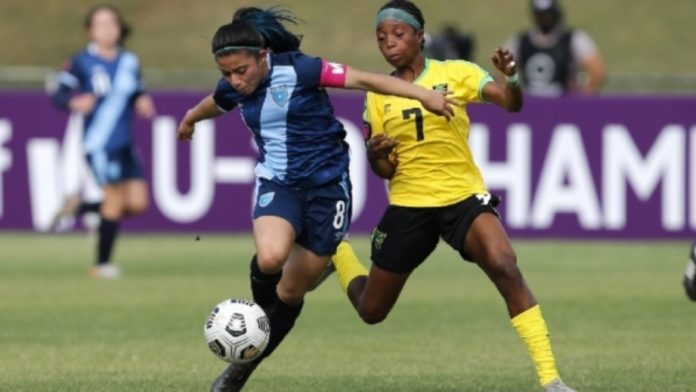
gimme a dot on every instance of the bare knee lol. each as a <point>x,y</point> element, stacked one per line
<point>291,295</point>
<point>111,209</point>
<point>502,265</point>
<point>372,316</point>
<point>271,259</point>
<point>137,207</point>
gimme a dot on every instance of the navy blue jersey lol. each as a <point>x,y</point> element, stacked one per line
<point>116,83</point>
<point>301,143</point>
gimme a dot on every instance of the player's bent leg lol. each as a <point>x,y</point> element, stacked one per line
<point>329,269</point>
<point>487,243</point>
<point>348,268</point>
<point>372,297</point>
<point>263,286</point>
<point>111,211</point>
<point>281,315</point>
<point>380,293</point>
<point>274,237</point>
<point>137,199</point>
<point>352,268</point>
<point>300,273</point>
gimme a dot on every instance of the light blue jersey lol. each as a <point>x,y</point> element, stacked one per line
<point>301,143</point>
<point>116,83</point>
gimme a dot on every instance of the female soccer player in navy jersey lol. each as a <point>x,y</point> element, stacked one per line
<point>435,189</point>
<point>103,83</point>
<point>303,200</point>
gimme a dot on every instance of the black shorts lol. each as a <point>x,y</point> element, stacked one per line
<point>405,236</point>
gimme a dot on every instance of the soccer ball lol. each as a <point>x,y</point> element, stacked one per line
<point>237,330</point>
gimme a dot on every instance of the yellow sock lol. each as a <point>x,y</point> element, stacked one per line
<point>347,264</point>
<point>531,327</point>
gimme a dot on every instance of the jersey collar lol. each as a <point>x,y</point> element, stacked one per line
<point>424,71</point>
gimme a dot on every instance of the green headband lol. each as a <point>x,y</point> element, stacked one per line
<point>398,15</point>
<point>230,49</point>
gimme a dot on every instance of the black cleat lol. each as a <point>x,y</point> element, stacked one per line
<point>233,378</point>
<point>690,274</point>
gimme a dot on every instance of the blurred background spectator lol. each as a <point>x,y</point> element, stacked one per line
<point>449,44</point>
<point>555,59</point>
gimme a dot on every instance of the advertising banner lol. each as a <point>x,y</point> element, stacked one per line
<point>601,168</point>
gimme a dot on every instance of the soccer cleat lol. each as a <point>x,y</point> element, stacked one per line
<point>330,269</point>
<point>558,386</point>
<point>690,274</point>
<point>233,378</point>
<point>108,271</point>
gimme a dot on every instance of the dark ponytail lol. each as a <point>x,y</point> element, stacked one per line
<point>253,28</point>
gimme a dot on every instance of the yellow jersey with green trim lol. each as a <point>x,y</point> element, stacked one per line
<point>434,163</point>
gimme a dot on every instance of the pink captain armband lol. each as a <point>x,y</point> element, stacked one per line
<point>332,74</point>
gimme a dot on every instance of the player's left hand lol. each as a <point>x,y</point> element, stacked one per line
<point>380,147</point>
<point>504,61</point>
<point>145,106</point>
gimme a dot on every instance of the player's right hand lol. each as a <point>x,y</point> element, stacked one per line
<point>185,130</point>
<point>504,61</point>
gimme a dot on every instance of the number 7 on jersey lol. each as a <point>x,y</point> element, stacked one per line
<point>407,113</point>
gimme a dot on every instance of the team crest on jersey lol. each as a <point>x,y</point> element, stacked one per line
<point>387,108</point>
<point>440,87</point>
<point>280,94</point>
<point>266,199</point>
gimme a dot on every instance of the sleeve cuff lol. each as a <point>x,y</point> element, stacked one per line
<point>483,84</point>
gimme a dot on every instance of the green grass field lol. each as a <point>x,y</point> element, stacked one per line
<point>618,317</point>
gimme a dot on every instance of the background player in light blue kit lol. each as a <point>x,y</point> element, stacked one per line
<point>303,206</point>
<point>103,83</point>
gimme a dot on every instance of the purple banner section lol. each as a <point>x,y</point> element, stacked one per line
<point>602,168</point>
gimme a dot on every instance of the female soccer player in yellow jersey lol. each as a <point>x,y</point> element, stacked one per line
<point>436,190</point>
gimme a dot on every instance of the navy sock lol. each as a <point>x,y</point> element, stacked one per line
<point>108,229</point>
<point>263,286</point>
<point>281,320</point>
<point>86,207</point>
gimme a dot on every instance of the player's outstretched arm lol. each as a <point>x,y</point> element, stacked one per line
<point>434,101</point>
<point>204,110</point>
<point>508,95</point>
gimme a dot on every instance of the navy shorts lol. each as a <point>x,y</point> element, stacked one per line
<point>405,236</point>
<point>115,166</point>
<point>320,216</point>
